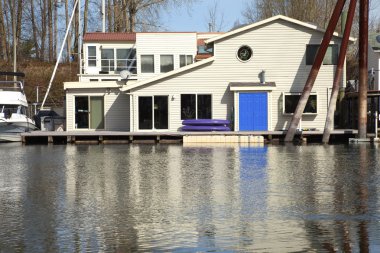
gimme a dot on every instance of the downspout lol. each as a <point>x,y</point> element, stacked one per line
<point>314,71</point>
<point>338,73</point>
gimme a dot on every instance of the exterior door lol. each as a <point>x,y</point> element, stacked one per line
<point>153,112</point>
<point>96,113</point>
<point>89,112</point>
<point>253,111</point>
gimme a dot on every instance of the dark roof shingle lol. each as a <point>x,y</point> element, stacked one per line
<point>99,36</point>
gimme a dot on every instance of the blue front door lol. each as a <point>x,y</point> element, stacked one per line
<point>253,111</point>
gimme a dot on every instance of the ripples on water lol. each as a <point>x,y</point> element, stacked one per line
<point>174,198</point>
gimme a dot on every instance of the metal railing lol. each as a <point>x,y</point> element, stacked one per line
<point>114,66</point>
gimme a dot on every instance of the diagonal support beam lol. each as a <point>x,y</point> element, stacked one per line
<point>338,73</point>
<point>314,70</point>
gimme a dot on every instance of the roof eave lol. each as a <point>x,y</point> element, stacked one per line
<point>265,21</point>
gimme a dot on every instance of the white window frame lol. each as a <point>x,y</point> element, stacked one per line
<point>141,62</point>
<point>115,59</point>
<point>186,59</point>
<point>298,93</point>
<point>138,118</point>
<point>196,103</point>
<point>89,112</point>
<point>172,56</point>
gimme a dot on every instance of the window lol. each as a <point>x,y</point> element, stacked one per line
<point>108,62</point>
<point>291,101</point>
<point>167,63</point>
<point>153,112</point>
<point>126,60</point>
<point>147,64</point>
<point>196,106</point>
<point>244,53</point>
<point>331,57</point>
<point>185,60</point>
<point>118,59</point>
<point>91,61</point>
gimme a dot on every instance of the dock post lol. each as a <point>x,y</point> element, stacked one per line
<point>363,71</point>
<point>376,125</point>
<point>314,71</point>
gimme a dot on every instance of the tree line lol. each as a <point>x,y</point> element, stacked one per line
<point>40,24</point>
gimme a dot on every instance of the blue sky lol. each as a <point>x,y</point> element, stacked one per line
<point>195,17</point>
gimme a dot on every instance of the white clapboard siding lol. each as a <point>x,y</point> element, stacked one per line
<point>164,44</point>
<point>117,111</point>
<point>116,108</point>
<point>278,48</point>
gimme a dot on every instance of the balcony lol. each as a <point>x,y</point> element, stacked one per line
<point>107,69</point>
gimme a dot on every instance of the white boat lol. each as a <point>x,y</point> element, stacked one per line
<point>13,109</point>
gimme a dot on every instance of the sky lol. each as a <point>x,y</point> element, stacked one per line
<point>195,17</point>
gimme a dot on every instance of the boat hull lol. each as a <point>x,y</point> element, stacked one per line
<point>11,131</point>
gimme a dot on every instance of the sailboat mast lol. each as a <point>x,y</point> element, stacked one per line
<point>14,41</point>
<point>59,56</point>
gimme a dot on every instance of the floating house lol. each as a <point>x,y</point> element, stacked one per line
<point>252,76</point>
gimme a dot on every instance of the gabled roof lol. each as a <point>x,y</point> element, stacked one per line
<point>268,20</point>
<point>166,75</point>
<point>100,36</point>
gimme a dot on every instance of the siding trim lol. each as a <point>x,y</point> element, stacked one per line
<point>265,21</point>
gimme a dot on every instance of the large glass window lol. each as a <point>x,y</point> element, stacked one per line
<point>126,60</point>
<point>153,112</point>
<point>331,57</point>
<point>196,106</point>
<point>108,62</point>
<point>167,63</point>
<point>291,101</point>
<point>145,113</point>
<point>147,64</point>
<point>91,51</point>
<point>160,112</point>
<point>185,60</point>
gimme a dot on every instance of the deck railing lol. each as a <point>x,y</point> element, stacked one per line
<point>113,66</point>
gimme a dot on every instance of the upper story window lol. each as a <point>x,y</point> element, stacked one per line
<point>91,61</point>
<point>118,59</point>
<point>244,53</point>
<point>167,63</point>
<point>108,59</point>
<point>126,60</point>
<point>185,60</point>
<point>147,63</point>
<point>331,57</point>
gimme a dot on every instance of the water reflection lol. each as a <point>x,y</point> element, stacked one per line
<point>189,198</point>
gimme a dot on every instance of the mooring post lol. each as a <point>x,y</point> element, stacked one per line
<point>314,71</point>
<point>363,72</point>
<point>338,73</point>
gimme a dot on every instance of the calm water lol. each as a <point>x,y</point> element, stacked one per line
<point>174,198</point>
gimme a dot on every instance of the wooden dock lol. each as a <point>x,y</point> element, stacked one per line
<point>116,137</point>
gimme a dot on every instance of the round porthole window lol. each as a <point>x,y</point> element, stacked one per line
<point>244,53</point>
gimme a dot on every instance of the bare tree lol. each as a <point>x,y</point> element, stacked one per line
<point>3,35</point>
<point>215,19</point>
